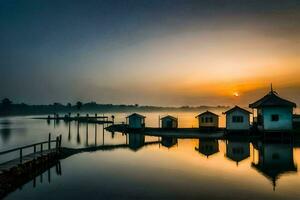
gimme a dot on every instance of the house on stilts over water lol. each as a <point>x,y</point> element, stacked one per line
<point>208,120</point>
<point>135,121</point>
<point>237,120</point>
<point>169,122</point>
<point>273,113</point>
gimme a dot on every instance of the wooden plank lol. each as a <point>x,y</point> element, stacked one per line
<point>24,147</point>
<point>15,162</point>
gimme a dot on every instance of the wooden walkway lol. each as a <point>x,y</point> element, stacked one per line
<point>88,119</point>
<point>60,152</point>
<point>178,132</point>
<point>7,166</point>
<point>38,151</point>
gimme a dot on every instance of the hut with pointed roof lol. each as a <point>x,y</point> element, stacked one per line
<point>169,122</point>
<point>237,119</point>
<point>208,120</point>
<point>273,113</point>
<point>135,121</point>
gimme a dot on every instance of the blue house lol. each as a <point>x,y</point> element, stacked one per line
<point>273,113</point>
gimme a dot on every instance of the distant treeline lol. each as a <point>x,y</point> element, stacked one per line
<point>7,107</point>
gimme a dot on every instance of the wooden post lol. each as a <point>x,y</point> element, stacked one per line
<point>34,181</point>
<point>95,134</point>
<point>159,121</point>
<point>34,150</point>
<point>87,134</point>
<point>41,148</point>
<point>41,178</point>
<point>113,119</point>
<point>49,175</point>
<point>21,155</point>
<point>59,142</point>
<point>49,141</point>
<point>56,145</point>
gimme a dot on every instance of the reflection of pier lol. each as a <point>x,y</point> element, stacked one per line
<point>274,159</point>
<point>66,152</point>
<point>16,172</point>
<point>39,174</point>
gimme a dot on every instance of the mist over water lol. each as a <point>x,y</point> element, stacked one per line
<point>154,167</point>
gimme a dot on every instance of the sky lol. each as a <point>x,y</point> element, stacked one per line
<point>149,52</point>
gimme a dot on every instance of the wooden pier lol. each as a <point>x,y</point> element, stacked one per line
<point>44,155</point>
<point>38,151</point>
<point>217,133</point>
<point>16,172</point>
<point>84,119</point>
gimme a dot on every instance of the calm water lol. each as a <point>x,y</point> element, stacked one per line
<point>155,168</point>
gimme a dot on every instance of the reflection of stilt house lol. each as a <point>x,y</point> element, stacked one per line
<point>135,121</point>
<point>136,141</point>
<point>168,142</point>
<point>237,150</point>
<point>274,160</point>
<point>237,119</point>
<point>273,113</point>
<point>208,120</point>
<point>208,147</point>
<point>169,122</point>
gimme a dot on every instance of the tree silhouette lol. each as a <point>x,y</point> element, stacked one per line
<point>5,106</point>
<point>6,102</point>
<point>69,105</point>
<point>78,105</point>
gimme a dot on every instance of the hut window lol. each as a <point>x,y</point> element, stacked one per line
<point>207,119</point>
<point>237,119</point>
<point>202,119</point>
<point>275,118</point>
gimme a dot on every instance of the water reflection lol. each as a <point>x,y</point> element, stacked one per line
<point>237,151</point>
<point>136,141</point>
<point>87,135</point>
<point>168,141</point>
<point>78,135</point>
<point>5,130</point>
<point>36,176</point>
<point>69,132</point>
<point>274,159</point>
<point>47,172</point>
<point>208,147</point>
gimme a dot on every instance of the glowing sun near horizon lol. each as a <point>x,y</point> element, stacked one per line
<point>236,94</point>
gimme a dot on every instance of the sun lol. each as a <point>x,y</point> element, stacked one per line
<point>236,94</point>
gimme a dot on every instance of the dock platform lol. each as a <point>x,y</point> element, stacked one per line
<point>217,133</point>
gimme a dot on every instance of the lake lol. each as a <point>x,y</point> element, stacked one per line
<point>145,167</point>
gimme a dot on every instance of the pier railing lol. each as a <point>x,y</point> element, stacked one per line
<point>37,148</point>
